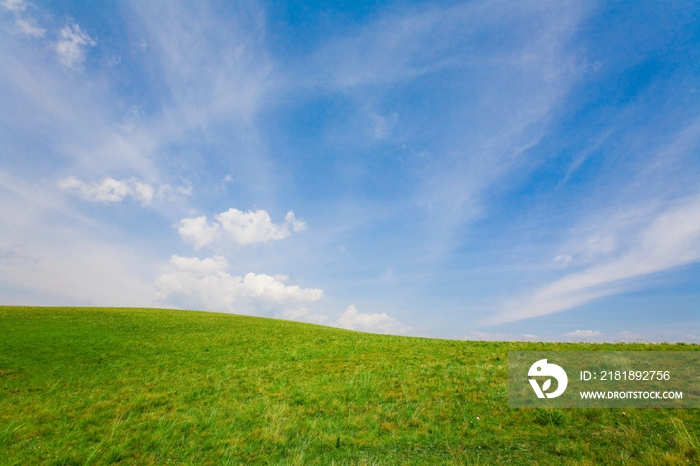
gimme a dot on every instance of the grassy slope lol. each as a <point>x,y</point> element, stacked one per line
<point>143,386</point>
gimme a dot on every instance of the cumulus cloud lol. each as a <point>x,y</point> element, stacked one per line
<point>376,323</point>
<point>351,319</point>
<point>304,314</point>
<point>499,336</point>
<point>271,288</point>
<point>72,44</point>
<point>200,268</point>
<point>242,227</point>
<point>109,189</point>
<point>584,334</point>
<point>198,231</point>
<point>670,239</point>
<point>206,284</point>
<point>256,227</point>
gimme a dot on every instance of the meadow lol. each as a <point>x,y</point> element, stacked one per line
<point>103,386</point>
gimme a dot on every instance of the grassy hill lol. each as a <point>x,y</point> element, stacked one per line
<point>145,386</point>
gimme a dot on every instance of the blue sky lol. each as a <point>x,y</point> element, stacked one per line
<point>484,169</point>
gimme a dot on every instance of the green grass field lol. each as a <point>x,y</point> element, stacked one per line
<point>144,386</point>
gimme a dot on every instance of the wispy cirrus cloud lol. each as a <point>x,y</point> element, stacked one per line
<point>649,226</point>
<point>72,45</point>
<point>198,79</point>
<point>669,239</point>
<point>24,24</point>
<point>212,67</point>
<point>515,67</point>
<point>418,139</point>
<point>15,6</point>
<point>427,39</point>
<point>29,28</point>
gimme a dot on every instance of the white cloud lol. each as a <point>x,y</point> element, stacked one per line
<point>304,314</point>
<point>109,189</point>
<point>69,272</point>
<point>27,27</point>
<point>213,66</point>
<point>72,44</point>
<point>48,255</point>
<point>350,319</point>
<point>15,253</point>
<point>563,260</point>
<point>376,323</point>
<point>171,193</point>
<point>198,231</point>
<point>519,86</point>
<point>382,125</point>
<point>499,336</point>
<point>242,227</point>
<point>143,191</point>
<point>256,227</point>
<point>14,6</point>
<point>200,268</point>
<point>205,284</point>
<point>669,240</point>
<point>270,288</point>
<point>675,333</point>
<point>23,24</point>
<point>584,334</point>
<point>185,190</point>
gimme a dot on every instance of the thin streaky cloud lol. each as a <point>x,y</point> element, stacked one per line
<point>670,240</point>
<point>14,6</point>
<point>72,45</point>
<point>27,27</point>
<point>452,163</point>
